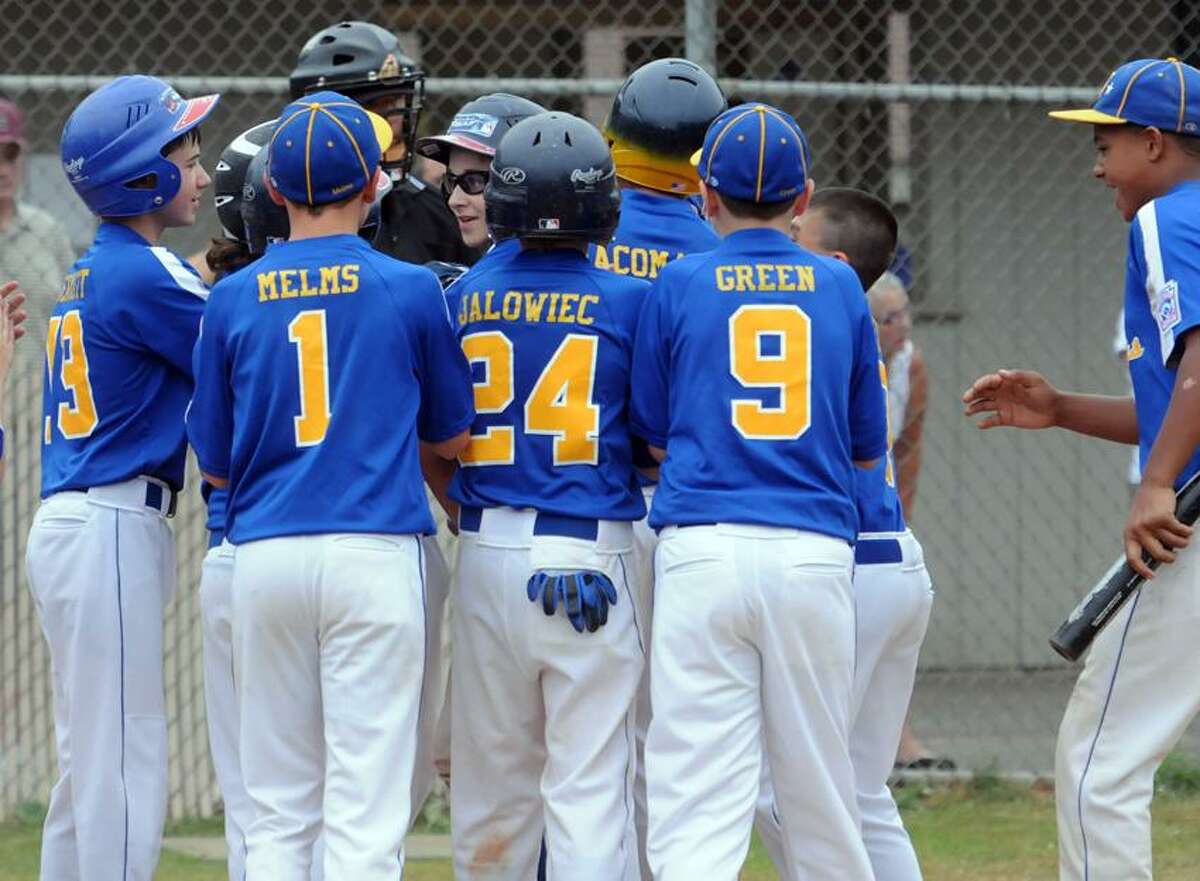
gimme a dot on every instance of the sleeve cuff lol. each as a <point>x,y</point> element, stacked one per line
<point>653,438</point>
<point>440,433</point>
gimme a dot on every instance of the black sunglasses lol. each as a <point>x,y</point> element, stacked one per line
<point>473,183</point>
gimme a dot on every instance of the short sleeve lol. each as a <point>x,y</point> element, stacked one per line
<point>1168,246</point>
<point>868,395</point>
<point>649,407</point>
<point>447,395</point>
<point>210,414</point>
<point>165,309</point>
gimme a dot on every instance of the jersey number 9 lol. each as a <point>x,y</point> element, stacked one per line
<point>77,419</point>
<point>787,373</point>
<point>560,404</point>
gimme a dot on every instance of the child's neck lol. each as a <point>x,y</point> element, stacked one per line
<point>149,226</point>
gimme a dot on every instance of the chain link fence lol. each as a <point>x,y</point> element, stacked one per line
<point>939,106</point>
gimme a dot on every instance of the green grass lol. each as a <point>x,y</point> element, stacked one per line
<point>983,830</point>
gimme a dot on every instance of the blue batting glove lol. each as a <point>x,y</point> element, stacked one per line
<point>584,596</point>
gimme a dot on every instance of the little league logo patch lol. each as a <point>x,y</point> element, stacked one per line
<point>481,124</point>
<point>170,99</point>
<point>1166,311</point>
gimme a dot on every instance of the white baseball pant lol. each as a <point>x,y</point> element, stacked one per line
<point>542,737</point>
<point>892,602</point>
<point>645,540</point>
<point>329,646</point>
<point>753,649</point>
<point>101,568</point>
<point>1137,693</point>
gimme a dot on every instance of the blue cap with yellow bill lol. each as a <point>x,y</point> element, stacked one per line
<point>756,153</point>
<point>1159,92</point>
<point>326,148</point>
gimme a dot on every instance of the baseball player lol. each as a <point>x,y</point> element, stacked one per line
<point>657,121</point>
<point>365,62</point>
<point>101,558</point>
<point>893,594</point>
<point>1140,685</point>
<point>302,353</point>
<point>547,646</point>
<point>762,357</point>
<point>466,149</point>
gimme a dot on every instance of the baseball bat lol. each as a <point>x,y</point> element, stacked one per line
<point>1118,584</point>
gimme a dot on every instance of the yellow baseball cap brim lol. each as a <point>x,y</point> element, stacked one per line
<point>1088,115</point>
<point>383,131</point>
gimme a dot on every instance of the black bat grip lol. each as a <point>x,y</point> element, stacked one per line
<point>1074,635</point>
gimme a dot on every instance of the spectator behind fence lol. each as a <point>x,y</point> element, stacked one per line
<point>908,392</point>
<point>34,249</point>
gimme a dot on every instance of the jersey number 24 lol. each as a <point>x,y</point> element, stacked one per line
<point>560,404</point>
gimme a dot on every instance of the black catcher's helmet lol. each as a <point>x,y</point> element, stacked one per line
<point>364,61</point>
<point>266,222</point>
<point>479,125</point>
<point>658,120</point>
<point>229,179</point>
<point>553,178</point>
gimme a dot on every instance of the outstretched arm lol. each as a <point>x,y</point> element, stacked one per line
<point>1025,399</point>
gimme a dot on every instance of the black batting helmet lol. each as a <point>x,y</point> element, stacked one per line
<point>266,222</point>
<point>229,178</point>
<point>365,62</point>
<point>552,178</point>
<point>479,125</point>
<point>658,120</point>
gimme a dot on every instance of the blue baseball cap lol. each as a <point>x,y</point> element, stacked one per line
<point>756,153</point>
<point>326,148</point>
<point>1159,92</point>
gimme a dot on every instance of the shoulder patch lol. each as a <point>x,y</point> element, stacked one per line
<point>1166,306</point>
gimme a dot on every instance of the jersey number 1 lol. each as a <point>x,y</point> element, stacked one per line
<point>307,331</point>
<point>77,419</point>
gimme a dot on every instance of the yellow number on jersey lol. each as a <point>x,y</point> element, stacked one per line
<point>561,402</point>
<point>788,372</point>
<point>559,405</point>
<point>493,395</point>
<point>889,471</point>
<point>78,419</point>
<point>307,331</point>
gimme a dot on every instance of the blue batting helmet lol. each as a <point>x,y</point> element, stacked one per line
<point>115,137</point>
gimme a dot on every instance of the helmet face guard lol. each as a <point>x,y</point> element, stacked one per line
<point>552,179</point>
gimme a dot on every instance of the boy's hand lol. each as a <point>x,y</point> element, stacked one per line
<point>1152,526</point>
<point>1016,398</point>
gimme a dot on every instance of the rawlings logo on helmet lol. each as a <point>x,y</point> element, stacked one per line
<point>74,167</point>
<point>589,178</point>
<point>511,175</point>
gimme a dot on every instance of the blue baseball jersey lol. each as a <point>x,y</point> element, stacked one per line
<point>1162,303</point>
<point>119,368</point>
<point>758,370</point>
<point>499,251</point>
<point>318,368</point>
<point>876,498</point>
<point>653,231</point>
<point>550,341</point>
